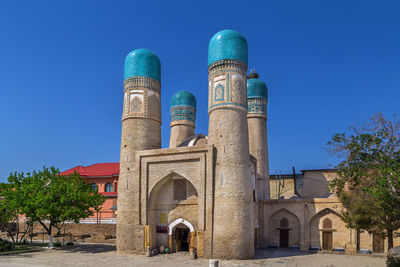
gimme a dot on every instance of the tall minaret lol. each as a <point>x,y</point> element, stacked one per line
<point>183,117</point>
<point>257,99</point>
<point>233,230</point>
<point>141,130</point>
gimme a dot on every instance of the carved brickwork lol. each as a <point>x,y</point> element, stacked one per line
<point>257,107</point>
<point>142,98</point>
<point>183,115</point>
<point>227,85</point>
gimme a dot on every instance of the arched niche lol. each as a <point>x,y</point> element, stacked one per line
<point>283,229</point>
<point>326,226</point>
<point>171,199</point>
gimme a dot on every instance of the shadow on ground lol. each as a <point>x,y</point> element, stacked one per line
<point>89,248</point>
<point>278,253</point>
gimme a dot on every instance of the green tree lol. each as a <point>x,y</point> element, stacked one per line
<point>51,199</point>
<point>10,213</point>
<point>368,182</point>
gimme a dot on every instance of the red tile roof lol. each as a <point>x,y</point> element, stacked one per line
<point>98,169</point>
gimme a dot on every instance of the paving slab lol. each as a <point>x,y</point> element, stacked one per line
<point>100,255</point>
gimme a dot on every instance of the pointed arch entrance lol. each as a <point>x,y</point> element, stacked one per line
<point>171,197</point>
<point>181,235</point>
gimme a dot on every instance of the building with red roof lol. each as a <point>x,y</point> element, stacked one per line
<point>104,178</point>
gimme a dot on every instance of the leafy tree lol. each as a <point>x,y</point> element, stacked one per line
<point>10,211</point>
<point>368,182</point>
<point>51,199</point>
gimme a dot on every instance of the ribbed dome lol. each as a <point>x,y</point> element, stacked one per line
<point>142,62</point>
<point>256,88</point>
<point>227,44</point>
<point>183,98</point>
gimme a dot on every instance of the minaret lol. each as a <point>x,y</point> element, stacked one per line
<point>183,117</point>
<point>233,230</point>
<point>141,130</point>
<point>257,99</point>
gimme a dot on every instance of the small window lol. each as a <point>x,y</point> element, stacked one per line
<point>327,223</point>
<point>284,223</point>
<point>179,189</point>
<point>109,188</point>
<point>94,187</point>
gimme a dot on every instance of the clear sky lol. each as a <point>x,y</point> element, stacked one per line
<point>328,64</point>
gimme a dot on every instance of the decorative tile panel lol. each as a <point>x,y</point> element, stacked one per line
<point>142,98</point>
<point>183,115</point>
<point>227,85</point>
<point>257,107</point>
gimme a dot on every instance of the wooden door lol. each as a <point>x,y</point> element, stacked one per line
<point>327,241</point>
<point>378,244</point>
<point>283,238</point>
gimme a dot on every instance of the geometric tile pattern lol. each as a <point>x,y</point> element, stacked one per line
<point>142,98</point>
<point>227,85</point>
<point>183,115</point>
<point>257,107</point>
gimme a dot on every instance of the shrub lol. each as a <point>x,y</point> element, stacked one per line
<point>392,261</point>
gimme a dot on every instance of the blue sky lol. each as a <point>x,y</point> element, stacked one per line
<point>328,64</point>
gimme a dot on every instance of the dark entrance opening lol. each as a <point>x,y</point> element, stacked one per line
<point>378,244</point>
<point>327,240</point>
<point>182,239</point>
<point>284,238</point>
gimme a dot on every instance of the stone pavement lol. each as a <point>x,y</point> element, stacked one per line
<point>99,255</point>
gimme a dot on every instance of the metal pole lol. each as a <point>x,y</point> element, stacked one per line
<point>276,184</point>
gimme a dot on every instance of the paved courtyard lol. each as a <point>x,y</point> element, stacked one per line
<point>105,255</point>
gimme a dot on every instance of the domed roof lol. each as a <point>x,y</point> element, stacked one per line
<point>256,88</point>
<point>227,44</point>
<point>195,140</point>
<point>142,62</point>
<point>183,98</point>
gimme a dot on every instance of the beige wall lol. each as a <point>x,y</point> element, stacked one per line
<point>285,190</point>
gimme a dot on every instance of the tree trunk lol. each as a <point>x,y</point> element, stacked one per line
<point>50,237</point>
<point>390,238</point>
<point>48,230</point>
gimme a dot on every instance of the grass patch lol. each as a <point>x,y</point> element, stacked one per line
<point>6,246</point>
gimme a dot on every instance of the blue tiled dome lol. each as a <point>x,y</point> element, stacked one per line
<point>256,88</point>
<point>227,44</point>
<point>183,98</point>
<point>142,62</point>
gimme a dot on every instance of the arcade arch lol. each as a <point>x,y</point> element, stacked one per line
<point>284,229</point>
<point>323,230</point>
<point>173,202</point>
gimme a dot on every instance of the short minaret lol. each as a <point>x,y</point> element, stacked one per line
<point>141,130</point>
<point>257,99</point>
<point>233,230</point>
<point>183,117</point>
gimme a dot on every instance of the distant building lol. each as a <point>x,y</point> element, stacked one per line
<point>103,177</point>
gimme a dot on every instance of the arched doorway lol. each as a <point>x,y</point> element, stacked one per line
<point>284,233</point>
<point>283,229</point>
<point>181,235</point>
<point>171,197</point>
<point>327,234</point>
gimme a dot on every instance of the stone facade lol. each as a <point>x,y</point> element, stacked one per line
<point>215,194</point>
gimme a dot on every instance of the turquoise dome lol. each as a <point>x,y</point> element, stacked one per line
<point>183,98</point>
<point>227,44</point>
<point>142,62</point>
<point>256,88</point>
